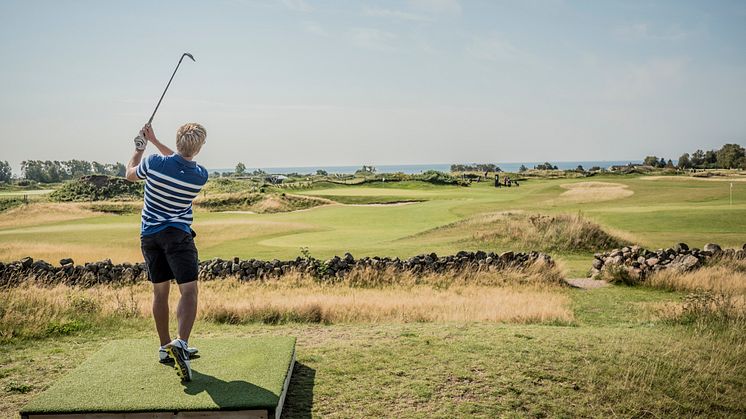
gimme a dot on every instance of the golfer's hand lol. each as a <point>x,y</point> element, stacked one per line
<point>147,131</point>
<point>141,142</point>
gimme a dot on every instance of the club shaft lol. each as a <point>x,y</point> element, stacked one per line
<point>165,90</point>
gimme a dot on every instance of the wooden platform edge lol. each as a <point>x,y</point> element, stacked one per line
<point>281,402</point>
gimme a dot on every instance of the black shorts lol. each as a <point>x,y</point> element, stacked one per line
<point>170,254</point>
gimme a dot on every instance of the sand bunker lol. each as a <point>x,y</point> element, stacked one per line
<point>593,192</point>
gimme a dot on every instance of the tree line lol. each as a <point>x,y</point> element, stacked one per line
<point>476,167</point>
<point>729,156</point>
<point>47,171</point>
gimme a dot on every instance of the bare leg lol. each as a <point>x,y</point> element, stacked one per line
<point>186,312</point>
<point>160,310</point>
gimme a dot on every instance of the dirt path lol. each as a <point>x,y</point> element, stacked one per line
<point>587,283</point>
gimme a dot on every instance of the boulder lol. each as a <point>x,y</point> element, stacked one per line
<point>26,262</point>
<point>681,247</point>
<point>66,261</point>
<point>685,263</point>
<point>712,248</point>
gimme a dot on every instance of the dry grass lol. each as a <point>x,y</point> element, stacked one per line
<point>721,276</point>
<point>35,311</point>
<point>717,295</point>
<point>44,213</point>
<point>52,252</point>
<point>593,192</point>
<point>557,233</point>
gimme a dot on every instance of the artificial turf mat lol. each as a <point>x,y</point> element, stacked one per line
<point>125,376</point>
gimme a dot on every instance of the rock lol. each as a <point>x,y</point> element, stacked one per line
<point>685,263</point>
<point>66,261</point>
<point>712,248</point>
<point>598,264</point>
<point>651,262</point>
<point>681,247</point>
<point>27,262</point>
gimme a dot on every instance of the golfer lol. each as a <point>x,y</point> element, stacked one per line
<point>172,181</point>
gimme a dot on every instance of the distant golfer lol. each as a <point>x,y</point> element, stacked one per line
<point>172,181</point>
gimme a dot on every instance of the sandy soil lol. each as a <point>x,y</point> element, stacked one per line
<point>593,192</point>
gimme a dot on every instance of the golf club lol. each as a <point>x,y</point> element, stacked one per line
<point>140,141</point>
<point>186,54</point>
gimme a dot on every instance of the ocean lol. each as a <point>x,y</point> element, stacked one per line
<point>412,169</point>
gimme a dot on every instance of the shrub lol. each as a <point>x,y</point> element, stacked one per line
<point>98,188</point>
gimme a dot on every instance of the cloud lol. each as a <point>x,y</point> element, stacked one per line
<point>297,5</point>
<point>374,39</point>
<point>396,14</point>
<point>437,6</point>
<point>494,49</point>
<point>637,31</point>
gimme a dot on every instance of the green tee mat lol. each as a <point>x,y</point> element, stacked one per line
<point>231,374</point>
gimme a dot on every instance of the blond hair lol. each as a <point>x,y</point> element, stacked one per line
<point>190,138</point>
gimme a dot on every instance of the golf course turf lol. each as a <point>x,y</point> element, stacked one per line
<point>124,376</point>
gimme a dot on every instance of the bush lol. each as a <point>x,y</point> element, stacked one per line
<point>98,188</point>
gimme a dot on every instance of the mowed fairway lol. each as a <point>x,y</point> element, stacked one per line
<point>653,212</point>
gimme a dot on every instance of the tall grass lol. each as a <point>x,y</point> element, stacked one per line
<point>716,295</point>
<point>33,311</point>
<point>571,233</point>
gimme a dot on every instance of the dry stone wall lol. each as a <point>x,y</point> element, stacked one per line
<point>105,272</point>
<point>639,262</point>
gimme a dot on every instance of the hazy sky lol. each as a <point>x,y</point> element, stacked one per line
<point>304,82</point>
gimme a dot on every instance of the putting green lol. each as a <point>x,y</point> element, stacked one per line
<point>124,376</point>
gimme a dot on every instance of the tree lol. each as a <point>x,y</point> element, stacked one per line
<point>522,169</point>
<point>684,162</point>
<point>579,168</point>
<point>698,158</point>
<point>669,164</point>
<point>650,161</point>
<point>711,158</point>
<point>545,166</point>
<point>240,169</point>
<point>730,156</point>
<point>5,171</point>
<point>98,168</point>
<point>321,172</point>
<point>662,162</point>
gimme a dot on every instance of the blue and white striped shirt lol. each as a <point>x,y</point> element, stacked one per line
<point>171,184</point>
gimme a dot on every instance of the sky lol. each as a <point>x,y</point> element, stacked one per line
<point>305,82</point>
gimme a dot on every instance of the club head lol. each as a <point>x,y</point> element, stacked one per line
<point>190,56</point>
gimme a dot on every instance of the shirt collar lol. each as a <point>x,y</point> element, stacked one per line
<point>190,163</point>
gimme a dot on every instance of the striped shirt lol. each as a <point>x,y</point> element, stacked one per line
<point>171,184</point>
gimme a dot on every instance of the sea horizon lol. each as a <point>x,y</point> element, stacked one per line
<point>411,169</point>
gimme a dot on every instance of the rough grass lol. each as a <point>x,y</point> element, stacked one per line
<point>43,213</point>
<point>33,311</point>
<point>259,203</point>
<point>720,275</point>
<point>457,369</point>
<point>565,233</point>
<point>716,296</point>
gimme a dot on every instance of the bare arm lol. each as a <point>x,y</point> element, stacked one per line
<point>150,135</point>
<point>131,174</point>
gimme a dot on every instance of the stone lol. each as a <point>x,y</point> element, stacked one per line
<point>651,262</point>
<point>712,248</point>
<point>66,261</point>
<point>681,247</point>
<point>598,264</point>
<point>27,262</point>
<point>685,263</point>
